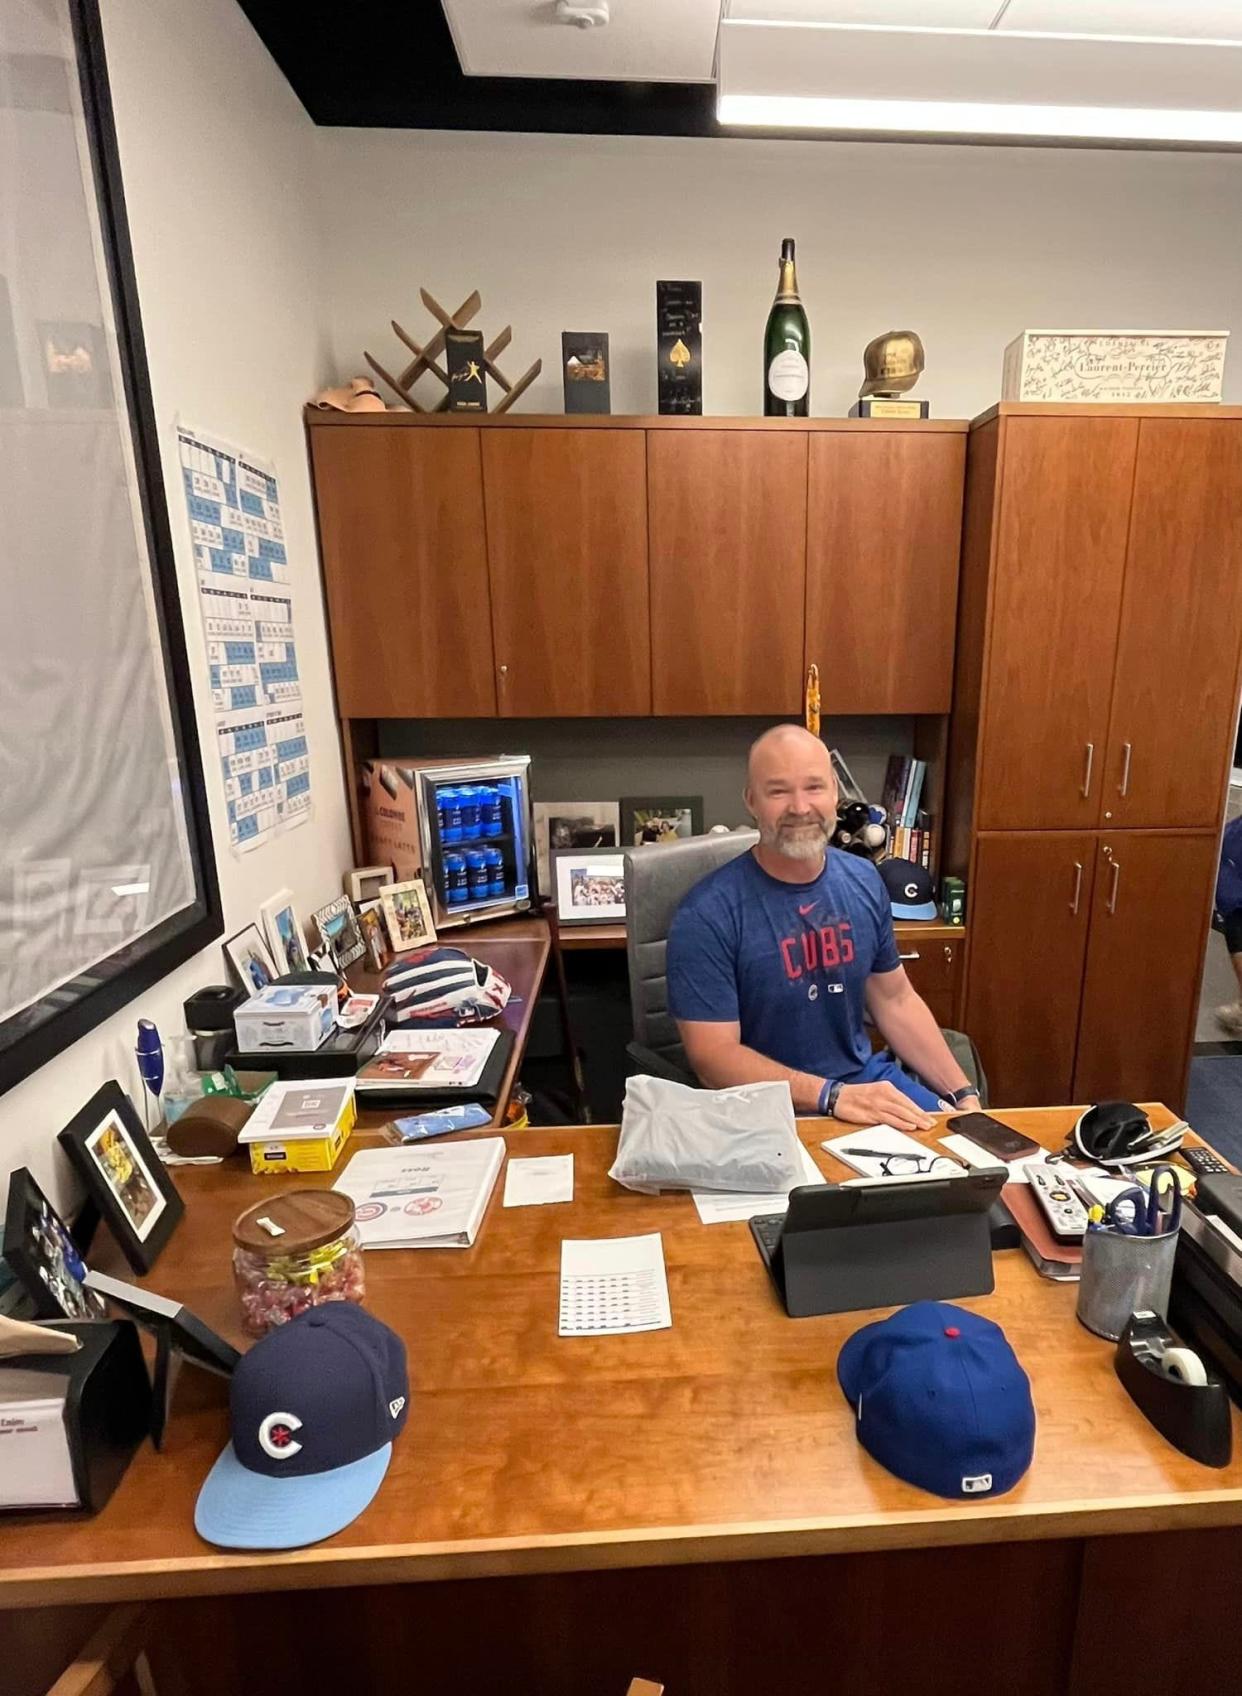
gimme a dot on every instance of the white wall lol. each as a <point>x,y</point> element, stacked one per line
<point>217,158</point>
<point>967,245</point>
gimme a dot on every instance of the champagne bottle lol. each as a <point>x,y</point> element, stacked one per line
<point>787,347</point>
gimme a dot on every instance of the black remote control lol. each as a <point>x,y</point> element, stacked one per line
<point>1203,1161</point>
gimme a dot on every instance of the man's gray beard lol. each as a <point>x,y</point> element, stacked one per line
<point>808,843</point>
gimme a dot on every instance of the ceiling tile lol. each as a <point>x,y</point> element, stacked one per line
<point>1188,20</point>
<point>644,40</point>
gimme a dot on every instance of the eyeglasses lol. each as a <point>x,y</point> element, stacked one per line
<point>906,1165</point>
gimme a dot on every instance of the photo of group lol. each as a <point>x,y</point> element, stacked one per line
<point>124,1176</point>
<point>589,885</point>
<point>407,914</point>
<point>647,819</point>
<point>589,888</point>
<point>43,1256</point>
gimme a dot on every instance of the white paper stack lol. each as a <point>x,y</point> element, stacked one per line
<point>425,1196</point>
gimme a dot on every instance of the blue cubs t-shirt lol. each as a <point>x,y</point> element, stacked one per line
<point>788,961</point>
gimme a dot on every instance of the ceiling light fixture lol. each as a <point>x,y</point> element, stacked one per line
<point>783,73</point>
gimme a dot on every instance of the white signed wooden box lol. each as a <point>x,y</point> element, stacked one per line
<point>1115,365</point>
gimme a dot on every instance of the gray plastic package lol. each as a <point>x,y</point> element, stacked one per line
<point>674,1138</point>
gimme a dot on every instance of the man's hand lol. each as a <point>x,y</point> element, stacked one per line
<point>880,1104</point>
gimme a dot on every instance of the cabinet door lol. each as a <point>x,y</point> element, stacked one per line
<point>932,957</point>
<point>1175,696</point>
<point>728,570</point>
<point>1056,598</point>
<point>1030,903</point>
<point>1148,929</point>
<point>567,548</point>
<point>884,532</point>
<point>405,565</point>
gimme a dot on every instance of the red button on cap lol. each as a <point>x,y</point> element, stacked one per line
<point>952,1331</point>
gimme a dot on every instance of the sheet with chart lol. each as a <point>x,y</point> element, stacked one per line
<point>246,600</point>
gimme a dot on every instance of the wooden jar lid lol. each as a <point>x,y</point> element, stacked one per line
<point>306,1219</point>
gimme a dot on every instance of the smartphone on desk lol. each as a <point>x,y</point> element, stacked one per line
<point>989,1133</point>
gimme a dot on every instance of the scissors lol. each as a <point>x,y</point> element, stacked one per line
<point>1147,1213</point>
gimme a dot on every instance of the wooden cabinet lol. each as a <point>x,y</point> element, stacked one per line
<point>1030,912</point>
<point>1176,690</point>
<point>1059,560</point>
<point>405,569</point>
<point>884,520</point>
<point>567,547</point>
<point>727,520</point>
<point>932,955</point>
<point>1149,919</point>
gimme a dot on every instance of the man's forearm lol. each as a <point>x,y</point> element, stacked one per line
<point>910,1030</point>
<point>741,1065</point>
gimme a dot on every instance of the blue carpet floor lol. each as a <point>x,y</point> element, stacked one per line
<point>1214,1102</point>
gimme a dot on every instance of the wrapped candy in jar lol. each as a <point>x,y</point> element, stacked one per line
<point>294,1251</point>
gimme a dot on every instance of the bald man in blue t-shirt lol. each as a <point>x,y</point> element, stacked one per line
<point>773,958</point>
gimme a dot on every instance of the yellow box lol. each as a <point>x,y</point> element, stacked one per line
<point>301,1126</point>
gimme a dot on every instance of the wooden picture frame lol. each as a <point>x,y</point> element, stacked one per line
<point>42,1255</point>
<point>407,914</point>
<point>123,1175</point>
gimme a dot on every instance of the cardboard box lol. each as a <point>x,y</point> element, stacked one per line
<point>286,1015</point>
<point>1119,366</point>
<point>301,1126</point>
<point>390,811</point>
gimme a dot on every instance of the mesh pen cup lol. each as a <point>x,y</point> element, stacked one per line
<point>1123,1275</point>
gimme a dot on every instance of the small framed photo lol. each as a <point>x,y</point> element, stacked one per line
<point>124,1176</point>
<point>365,882</point>
<point>42,1255</point>
<point>571,824</point>
<point>339,929</point>
<point>647,819</point>
<point>284,933</point>
<point>589,885</point>
<point>407,914</point>
<point>374,937</point>
<point>249,957</point>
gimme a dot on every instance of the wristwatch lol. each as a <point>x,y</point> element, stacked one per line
<point>957,1096</point>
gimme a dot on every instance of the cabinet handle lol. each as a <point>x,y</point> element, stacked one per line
<point>913,956</point>
<point>1077,887</point>
<point>1086,776</point>
<point>1125,768</point>
<point>504,671</point>
<point>948,953</point>
<point>1112,894</point>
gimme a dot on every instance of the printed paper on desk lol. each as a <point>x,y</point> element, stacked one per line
<point>538,1180</point>
<point>980,1160</point>
<point>882,1141</point>
<point>612,1286</point>
<point>718,1207</point>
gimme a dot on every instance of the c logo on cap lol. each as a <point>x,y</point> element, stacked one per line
<point>276,1435</point>
<point>912,890</point>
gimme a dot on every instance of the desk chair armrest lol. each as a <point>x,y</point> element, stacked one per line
<point>647,1060</point>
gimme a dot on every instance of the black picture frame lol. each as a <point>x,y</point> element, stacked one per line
<point>567,861</point>
<point>42,1255</point>
<point>667,805</point>
<point>36,1033</point>
<point>140,1205</point>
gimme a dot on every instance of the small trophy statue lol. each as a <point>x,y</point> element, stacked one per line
<point>892,365</point>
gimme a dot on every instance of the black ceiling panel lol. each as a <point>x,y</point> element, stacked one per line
<point>391,64</point>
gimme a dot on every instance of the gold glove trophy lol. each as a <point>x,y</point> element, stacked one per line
<point>892,365</point>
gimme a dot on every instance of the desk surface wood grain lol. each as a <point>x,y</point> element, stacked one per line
<point>724,1438</point>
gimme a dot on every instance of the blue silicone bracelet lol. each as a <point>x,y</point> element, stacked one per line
<point>824,1093</point>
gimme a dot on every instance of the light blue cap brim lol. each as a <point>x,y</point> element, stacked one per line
<point>240,1509</point>
<point>924,910</point>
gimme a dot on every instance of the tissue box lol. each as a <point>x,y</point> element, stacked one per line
<point>300,1126</point>
<point>286,1016</point>
<point>1121,366</point>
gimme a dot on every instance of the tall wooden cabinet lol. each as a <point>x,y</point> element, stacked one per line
<point>1095,697</point>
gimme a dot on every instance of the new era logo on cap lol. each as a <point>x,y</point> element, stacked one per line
<point>941,1400</point>
<point>314,1408</point>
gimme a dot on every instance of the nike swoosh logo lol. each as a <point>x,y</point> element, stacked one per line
<point>803,911</point>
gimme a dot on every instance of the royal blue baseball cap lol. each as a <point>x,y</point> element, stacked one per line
<point>911,893</point>
<point>940,1399</point>
<point>314,1409</point>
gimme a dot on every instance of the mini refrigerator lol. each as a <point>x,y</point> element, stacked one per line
<point>464,826</point>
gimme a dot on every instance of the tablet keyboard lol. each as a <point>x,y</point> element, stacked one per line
<point>767,1228</point>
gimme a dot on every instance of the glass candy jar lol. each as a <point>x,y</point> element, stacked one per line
<point>295,1251</point>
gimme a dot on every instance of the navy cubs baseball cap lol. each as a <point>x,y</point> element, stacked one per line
<point>314,1409</point>
<point>910,890</point>
<point>940,1399</point>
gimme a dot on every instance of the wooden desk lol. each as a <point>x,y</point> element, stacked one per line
<point>709,1448</point>
<point>518,949</point>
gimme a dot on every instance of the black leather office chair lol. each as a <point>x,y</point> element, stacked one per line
<point>656,881</point>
